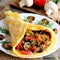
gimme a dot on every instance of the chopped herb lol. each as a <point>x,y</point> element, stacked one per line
<point>40,49</point>
<point>49,25</point>
<point>3,30</point>
<point>7,45</point>
<point>4,42</point>
<point>55,1</point>
<point>26,20</point>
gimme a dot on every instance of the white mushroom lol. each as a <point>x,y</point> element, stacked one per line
<point>50,7</point>
<point>27,3</point>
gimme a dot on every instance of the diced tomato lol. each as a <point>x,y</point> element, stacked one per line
<point>19,46</point>
<point>33,48</point>
<point>28,38</point>
<point>26,52</point>
<point>38,38</point>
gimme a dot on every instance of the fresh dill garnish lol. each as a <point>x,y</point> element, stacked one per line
<point>3,30</point>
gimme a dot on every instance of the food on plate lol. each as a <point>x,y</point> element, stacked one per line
<point>44,22</point>
<point>29,40</point>
<point>3,30</point>
<point>50,7</point>
<point>34,41</point>
<point>27,3</point>
<point>55,30</point>
<point>1,37</point>
<point>7,45</point>
<point>40,3</point>
<point>30,19</point>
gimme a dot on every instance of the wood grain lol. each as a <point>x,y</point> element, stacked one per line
<point>33,9</point>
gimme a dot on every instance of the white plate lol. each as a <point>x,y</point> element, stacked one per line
<point>37,19</point>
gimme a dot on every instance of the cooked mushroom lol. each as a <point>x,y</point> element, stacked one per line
<point>44,21</point>
<point>31,18</point>
<point>7,46</point>
<point>26,45</point>
<point>55,30</point>
<point>1,37</point>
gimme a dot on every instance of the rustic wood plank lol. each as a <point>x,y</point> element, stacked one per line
<point>33,9</point>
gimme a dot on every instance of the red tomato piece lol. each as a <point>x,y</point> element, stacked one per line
<point>26,52</point>
<point>19,46</point>
<point>40,3</point>
<point>28,38</point>
<point>38,38</point>
<point>33,48</point>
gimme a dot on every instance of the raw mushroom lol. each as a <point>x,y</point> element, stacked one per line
<point>28,3</point>
<point>50,7</point>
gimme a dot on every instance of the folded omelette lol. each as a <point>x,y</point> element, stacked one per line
<point>29,40</point>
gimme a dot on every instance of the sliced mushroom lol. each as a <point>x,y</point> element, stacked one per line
<point>31,18</point>
<point>55,30</point>
<point>44,21</point>
<point>26,45</point>
<point>1,37</point>
<point>7,46</point>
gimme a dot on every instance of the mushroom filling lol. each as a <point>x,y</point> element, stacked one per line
<point>34,42</point>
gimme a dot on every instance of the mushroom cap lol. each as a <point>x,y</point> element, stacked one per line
<point>51,6</point>
<point>29,3</point>
<point>22,3</point>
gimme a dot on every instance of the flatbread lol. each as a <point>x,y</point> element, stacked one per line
<point>18,27</point>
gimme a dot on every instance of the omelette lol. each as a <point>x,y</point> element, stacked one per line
<point>29,40</point>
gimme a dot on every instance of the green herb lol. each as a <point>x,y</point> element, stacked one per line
<point>26,20</point>
<point>49,25</point>
<point>4,31</point>
<point>4,42</point>
<point>55,1</point>
<point>41,49</point>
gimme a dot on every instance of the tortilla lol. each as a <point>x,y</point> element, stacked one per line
<point>18,27</point>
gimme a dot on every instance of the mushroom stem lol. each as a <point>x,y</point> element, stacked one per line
<point>48,12</point>
<point>22,3</point>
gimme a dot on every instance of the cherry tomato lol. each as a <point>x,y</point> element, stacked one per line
<point>26,52</point>
<point>40,3</point>
<point>28,38</point>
